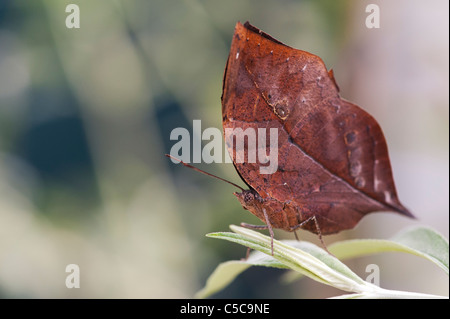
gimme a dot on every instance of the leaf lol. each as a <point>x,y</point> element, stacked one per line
<point>221,277</point>
<point>225,273</point>
<point>420,241</point>
<point>426,243</point>
<point>310,260</point>
<point>321,266</point>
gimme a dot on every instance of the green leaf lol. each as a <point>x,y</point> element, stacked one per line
<point>308,259</point>
<point>313,261</point>
<point>420,241</point>
<point>221,277</point>
<point>225,273</point>
<point>426,243</point>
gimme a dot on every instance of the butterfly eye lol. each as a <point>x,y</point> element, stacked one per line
<point>281,111</point>
<point>248,197</point>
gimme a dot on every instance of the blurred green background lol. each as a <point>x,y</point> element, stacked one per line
<point>85,118</point>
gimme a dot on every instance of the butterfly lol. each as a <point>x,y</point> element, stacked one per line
<point>333,166</point>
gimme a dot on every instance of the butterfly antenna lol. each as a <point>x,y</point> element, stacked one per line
<point>201,171</point>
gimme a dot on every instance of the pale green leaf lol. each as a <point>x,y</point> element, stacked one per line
<point>420,241</point>
<point>227,271</point>
<point>307,259</point>
<point>316,263</point>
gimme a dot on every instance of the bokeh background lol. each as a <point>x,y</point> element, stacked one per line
<point>85,119</point>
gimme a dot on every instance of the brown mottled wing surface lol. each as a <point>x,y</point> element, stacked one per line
<point>332,156</point>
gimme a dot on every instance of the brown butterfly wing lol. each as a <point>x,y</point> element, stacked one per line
<point>332,156</point>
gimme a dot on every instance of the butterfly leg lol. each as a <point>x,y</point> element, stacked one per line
<point>267,226</point>
<point>247,254</point>
<point>252,227</point>
<point>319,233</point>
